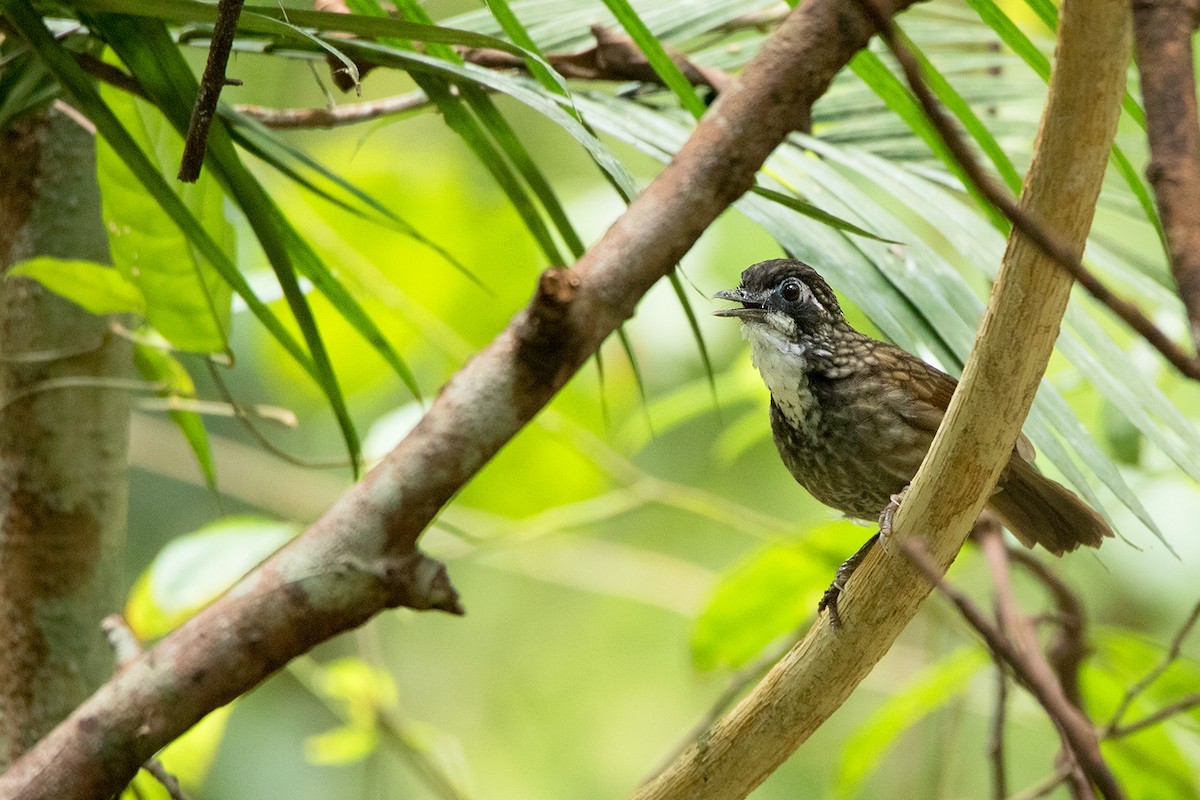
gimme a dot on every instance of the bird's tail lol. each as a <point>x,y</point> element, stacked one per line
<point>1039,511</point>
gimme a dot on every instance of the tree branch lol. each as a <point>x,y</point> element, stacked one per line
<point>1035,675</point>
<point>349,564</point>
<point>973,443</point>
<point>211,83</point>
<point>1163,35</point>
<point>1033,668</point>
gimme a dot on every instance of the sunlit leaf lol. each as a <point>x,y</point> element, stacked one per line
<point>186,299</point>
<point>341,746</point>
<point>192,570</point>
<point>766,596</point>
<point>97,288</point>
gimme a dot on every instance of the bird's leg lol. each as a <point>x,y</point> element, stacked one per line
<point>830,599</point>
<point>888,515</point>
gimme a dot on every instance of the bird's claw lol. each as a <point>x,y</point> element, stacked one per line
<point>829,600</point>
<point>888,516</point>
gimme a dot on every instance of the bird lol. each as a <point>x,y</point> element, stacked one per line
<point>853,417</point>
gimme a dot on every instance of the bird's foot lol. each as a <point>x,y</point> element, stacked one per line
<point>830,599</point>
<point>888,515</point>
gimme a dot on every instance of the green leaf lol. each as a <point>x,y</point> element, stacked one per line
<point>84,95</point>
<point>187,301</point>
<point>900,100</point>
<point>146,48</point>
<point>157,365</point>
<point>97,288</point>
<point>814,213</point>
<point>341,746</point>
<point>971,123</point>
<point>768,595</point>
<point>266,19</point>
<point>194,569</point>
<point>935,686</point>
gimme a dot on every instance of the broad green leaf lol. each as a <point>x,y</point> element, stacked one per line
<point>194,569</point>
<point>186,299</point>
<point>1015,38</point>
<point>145,47</point>
<point>954,102</point>
<point>97,288</point>
<point>935,686</point>
<point>360,688</point>
<point>85,96</point>
<point>815,213</point>
<point>266,20</point>
<point>899,99</point>
<point>768,595</point>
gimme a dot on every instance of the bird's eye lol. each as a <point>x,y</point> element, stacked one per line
<point>790,291</point>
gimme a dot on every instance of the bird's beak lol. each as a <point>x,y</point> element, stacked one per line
<point>751,308</point>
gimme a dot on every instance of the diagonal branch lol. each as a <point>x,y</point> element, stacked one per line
<point>1163,35</point>
<point>360,557</point>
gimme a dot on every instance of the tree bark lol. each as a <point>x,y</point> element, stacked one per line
<point>63,487</point>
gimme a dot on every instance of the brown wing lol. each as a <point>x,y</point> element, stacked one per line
<point>927,392</point>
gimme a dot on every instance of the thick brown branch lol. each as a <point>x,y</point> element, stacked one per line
<point>1163,36</point>
<point>341,570</point>
<point>1027,222</point>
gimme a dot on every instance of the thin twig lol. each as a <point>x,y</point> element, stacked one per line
<point>168,781</point>
<point>1042,788</point>
<point>211,83</point>
<point>1162,715</point>
<point>1154,674</point>
<point>1019,630</point>
<point>337,116</point>
<point>1027,223</point>
<point>1068,648</point>
<point>996,751</point>
<point>1074,727</point>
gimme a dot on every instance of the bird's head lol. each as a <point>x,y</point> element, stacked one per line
<point>786,296</point>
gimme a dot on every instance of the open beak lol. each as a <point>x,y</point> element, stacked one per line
<point>751,308</point>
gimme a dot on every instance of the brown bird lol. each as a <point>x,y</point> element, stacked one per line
<point>853,417</point>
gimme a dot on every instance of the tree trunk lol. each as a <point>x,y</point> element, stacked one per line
<point>63,439</point>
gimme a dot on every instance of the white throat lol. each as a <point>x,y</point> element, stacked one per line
<point>784,368</point>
